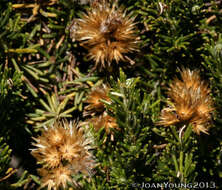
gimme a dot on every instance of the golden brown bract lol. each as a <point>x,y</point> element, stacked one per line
<point>63,150</point>
<point>189,102</point>
<point>94,100</point>
<point>107,32</point>
<point>105,121</point>
<point>56,178</point>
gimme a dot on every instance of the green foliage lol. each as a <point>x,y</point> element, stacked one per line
<point>4,157</point>
<point>177,162</point>
<point>129,157</point>
<point>10,94</point>
<point>54,111</point>
<point>45,76</point>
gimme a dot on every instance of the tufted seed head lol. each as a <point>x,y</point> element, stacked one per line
<point>94,100</point>
<point>190,102</point>
<point>107,32</point>
<point>60,149</point>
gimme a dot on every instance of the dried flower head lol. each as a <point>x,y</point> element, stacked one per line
<point>56,178</point>
<point>94,100</point>
<point>105,121</point>
<point>107,32</point>
<point>189,102</point>
<point>61,149</point>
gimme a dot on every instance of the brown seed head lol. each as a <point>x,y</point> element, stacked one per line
<point>107,32</point>
<point>105,121</point>
<point>190,102</point>
<point>94,100</point>
<point>60,153</point>
<point>56,178</point>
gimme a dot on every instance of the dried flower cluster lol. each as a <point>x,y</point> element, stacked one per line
<point>94,100</point>
<point>63,151</point>
<point>105,121</point>
<point>107,32</point>
<point>189,102</point>
<point>96,108</point>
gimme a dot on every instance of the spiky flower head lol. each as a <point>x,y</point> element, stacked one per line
<point>107,32</point>
<point>105,121</point>
<point>63,150</point>
<point>94,100</point>
<point>56,178</point>
<point>189,102</point>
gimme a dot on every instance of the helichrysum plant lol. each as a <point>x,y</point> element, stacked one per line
<point>95,105</point>
<point>63,150</point>
<point>189,108</point>
<point>45,76</point>
<point>189,102</point>
<point>104,120</point>
<point>108,32</point>
<point>96,108</point>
